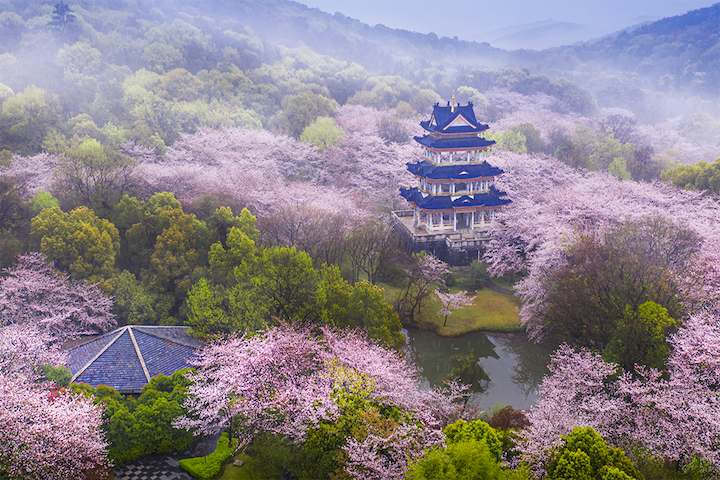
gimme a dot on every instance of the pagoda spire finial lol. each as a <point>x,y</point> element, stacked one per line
<point>452,109</point>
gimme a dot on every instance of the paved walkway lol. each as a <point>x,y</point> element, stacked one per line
<point>154,467</point>
<point>165,467</point>
<point>490,285</point>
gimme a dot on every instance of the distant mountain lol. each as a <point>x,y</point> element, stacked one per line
<point>540,35</point>
<point>675,53</point>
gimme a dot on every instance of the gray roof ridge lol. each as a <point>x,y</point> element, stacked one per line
<point>90,362</point>
<point>139,355</point>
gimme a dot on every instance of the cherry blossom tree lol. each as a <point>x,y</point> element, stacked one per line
<point>34,294</point>
<point>44,433</point>
<point>286,381</point>
<point>53,435</point>
<point>673,413</point>
<point>553,204</point>
<point>449,302</point>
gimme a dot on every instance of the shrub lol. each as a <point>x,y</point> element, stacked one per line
<point>207,467</point>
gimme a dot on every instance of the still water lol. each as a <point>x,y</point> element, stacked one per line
<point>514,364</point>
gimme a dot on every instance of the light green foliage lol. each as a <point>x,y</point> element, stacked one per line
<point>333,296</point>
<point>508,140</point>
<point>5,92</point>
<point>700,176</point>
<point>383,92</point>
<point>26,118</point>
<point>606,150</point>
<point>573,465</point>
<point>79,59</point>
<point>359,414</point>
<point>368,308</point>
<point>302,110</point>
<point>467,459</point>
<point>95,176</point>
<point>322,133</point>
<point>55,142</point>
<point>239,249</point>
<point>585,455</point>
<point>178,250</point>
<point>208,467</point>
<point>465,94</point>
<point>475,430</point>
<point>207,314</point>
<point>618,169</point>
<point>533,141</point>
<point>703,129</point>
<point>405,110</point>
<point>640,338</point>
<point>161,56</point>
<point>79,241</point>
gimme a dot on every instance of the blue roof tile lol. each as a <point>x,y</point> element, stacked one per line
<point>450,143</point>
<point>113,360</point>
<point>427,169</point>
<point>445,202</point>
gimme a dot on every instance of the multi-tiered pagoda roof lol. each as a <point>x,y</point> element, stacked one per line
<point>454,179</point>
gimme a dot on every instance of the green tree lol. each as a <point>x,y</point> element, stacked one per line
<point>133,304</point>
<point>208,315</point>
<point>94,176</point>
<point>284,280</point>
<point>596,297</point>
<point>533,141</point>
<point>302,110</point>
<point>322,133</point>
<point>464,460</point>
<point>368,308</point>
<point>585,455</point>
<point>640,338</point>
<point>26,118</point>
<point>79,241</point>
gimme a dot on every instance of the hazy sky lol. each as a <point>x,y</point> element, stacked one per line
<point>481,20</point>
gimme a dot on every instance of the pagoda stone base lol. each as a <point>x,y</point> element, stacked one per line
<point>455,248</point>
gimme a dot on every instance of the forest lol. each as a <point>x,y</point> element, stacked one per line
<point>233,166</point>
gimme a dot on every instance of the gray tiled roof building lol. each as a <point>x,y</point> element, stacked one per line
<point>127,358</point>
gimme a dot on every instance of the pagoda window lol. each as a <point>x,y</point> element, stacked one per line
<point>460,187</point>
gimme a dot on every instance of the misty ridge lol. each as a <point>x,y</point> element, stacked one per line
<point>643,100</point>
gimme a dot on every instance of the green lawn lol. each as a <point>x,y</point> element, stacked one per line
<point>492,311</point>
<point>248,470</point>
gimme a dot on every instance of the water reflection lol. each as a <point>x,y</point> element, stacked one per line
<point>514,364</point>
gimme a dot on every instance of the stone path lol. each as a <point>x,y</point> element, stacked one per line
<point>154,467</point>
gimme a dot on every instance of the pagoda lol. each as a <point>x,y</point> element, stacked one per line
<point>454,199</point>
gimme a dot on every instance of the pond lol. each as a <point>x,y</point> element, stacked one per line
<point>514,364</point>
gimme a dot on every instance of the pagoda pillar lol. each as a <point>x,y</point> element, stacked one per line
<point>472,220</point>
<point>482,219</point>
<point>442,221</point>
<point>431,220</point>
<point>454,221</point>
